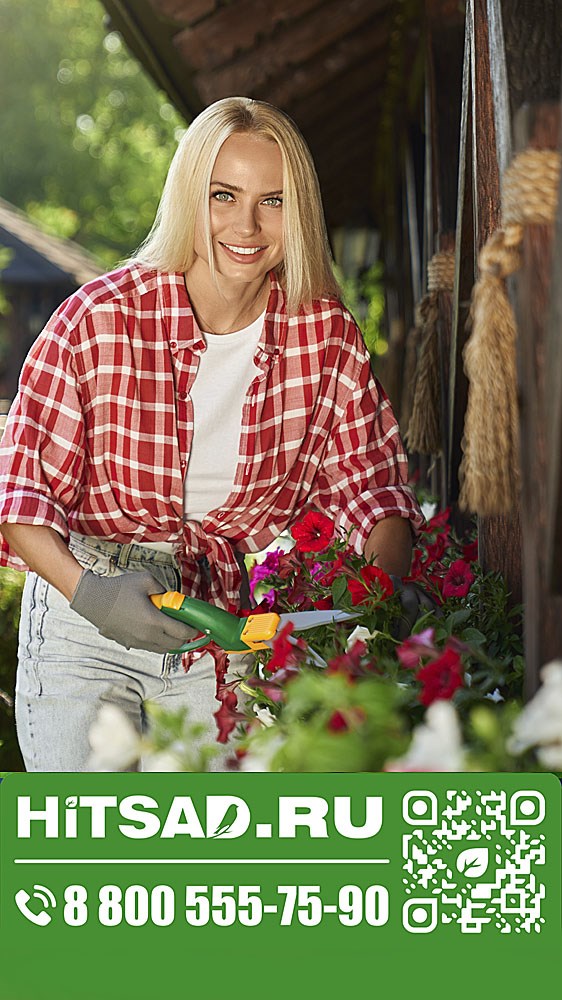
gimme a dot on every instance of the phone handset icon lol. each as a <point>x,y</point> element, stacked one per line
<point>23,899</point>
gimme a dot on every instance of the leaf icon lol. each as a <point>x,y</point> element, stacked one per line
<point>473,862</point>
<point>227,821</point>
<point>71,801</point>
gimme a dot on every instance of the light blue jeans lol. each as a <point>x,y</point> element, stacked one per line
<point>67,671</point>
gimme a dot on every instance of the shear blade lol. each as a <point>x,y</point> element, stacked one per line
<point>302,620</point>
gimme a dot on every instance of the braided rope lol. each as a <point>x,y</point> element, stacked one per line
<point>489,470</point>
<point>424,424</point>
<point>441,272</point>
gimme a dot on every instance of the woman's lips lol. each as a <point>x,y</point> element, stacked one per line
<point>243,255</point>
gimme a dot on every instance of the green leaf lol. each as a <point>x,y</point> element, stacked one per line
<point>457,618</point>
<point>474,636</point>
<point>339,588</point>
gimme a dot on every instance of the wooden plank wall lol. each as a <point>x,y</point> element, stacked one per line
<point>511,95</point>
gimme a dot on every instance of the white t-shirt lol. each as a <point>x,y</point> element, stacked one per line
<point>225,373</point>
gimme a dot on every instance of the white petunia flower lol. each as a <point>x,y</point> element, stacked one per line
<point>259,758</point>
<point>114,741</point>
<point>164,760</point>
<point>436,744</point>
<point>494,696</point>
<point>360,634</point>
<point>265,715</point>
<point>540,723</point>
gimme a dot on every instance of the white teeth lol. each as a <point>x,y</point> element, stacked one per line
<point>245,250</point>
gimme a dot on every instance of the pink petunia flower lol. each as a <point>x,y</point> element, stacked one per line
<point>415,647</point>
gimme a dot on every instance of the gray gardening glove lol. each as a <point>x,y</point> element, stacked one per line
<point>120,608</point>
<point>415,602</point>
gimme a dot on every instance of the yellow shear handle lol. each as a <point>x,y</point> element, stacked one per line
<point>258,629</point>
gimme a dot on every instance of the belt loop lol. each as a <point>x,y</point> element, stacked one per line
<point>122,557</point>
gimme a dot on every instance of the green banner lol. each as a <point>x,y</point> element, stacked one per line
<point>274,885</point>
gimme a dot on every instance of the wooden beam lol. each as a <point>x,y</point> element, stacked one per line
<point>239,28</point>
<point>331,66</point>
<point>184,11</point>
<point>358,89</point>
<point>323,28</point>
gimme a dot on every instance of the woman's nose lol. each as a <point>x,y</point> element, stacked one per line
<point>246,221</point>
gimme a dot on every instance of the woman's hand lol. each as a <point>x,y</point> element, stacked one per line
<point>121,609</point>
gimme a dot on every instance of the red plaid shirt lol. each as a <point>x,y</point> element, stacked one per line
<point>98,439</point>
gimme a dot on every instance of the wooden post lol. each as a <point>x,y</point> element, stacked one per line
<point>465,270</point>
<point>553,416</point>
<point>499,538</point>
<point>443,114</point>
<point>539,127</point>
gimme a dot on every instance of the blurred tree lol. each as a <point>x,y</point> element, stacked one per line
<point>86,136</point>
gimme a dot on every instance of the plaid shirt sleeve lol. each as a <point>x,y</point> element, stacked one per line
<point>363,478</point>
<point>42,449</point>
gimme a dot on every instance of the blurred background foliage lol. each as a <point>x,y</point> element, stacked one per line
<point>11,584</point>
<point>364,297</point>
<point>87,137</point>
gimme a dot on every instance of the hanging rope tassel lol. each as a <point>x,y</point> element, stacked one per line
<point>424,428</point>
<point>489,470</point>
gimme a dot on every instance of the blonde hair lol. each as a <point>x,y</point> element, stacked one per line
<point>306,271</point>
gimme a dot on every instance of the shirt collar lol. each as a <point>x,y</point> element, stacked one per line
<point>180,321</point>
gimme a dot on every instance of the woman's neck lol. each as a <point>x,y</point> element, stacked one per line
<point>225,308</point>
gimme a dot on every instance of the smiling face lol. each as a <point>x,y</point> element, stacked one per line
<point>246,210</point>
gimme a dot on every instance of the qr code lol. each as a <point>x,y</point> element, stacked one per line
<point>473,861</point>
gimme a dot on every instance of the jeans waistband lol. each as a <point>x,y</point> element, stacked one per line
<point>121,554</point>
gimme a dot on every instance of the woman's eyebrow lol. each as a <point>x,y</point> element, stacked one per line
<point>239,190</point>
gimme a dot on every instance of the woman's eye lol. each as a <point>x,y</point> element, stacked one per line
<point>221,195</point>
<point>275,202</point>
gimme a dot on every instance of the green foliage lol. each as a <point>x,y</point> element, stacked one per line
<point>90,137</point>
<point>450,689</point>
<point>5,258</point>
<point>11,584</point>
<point>372,728</point>
<point>174,743</point>
<point>364,297</point>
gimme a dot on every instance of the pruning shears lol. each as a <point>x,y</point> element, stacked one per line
<point>234,634</point>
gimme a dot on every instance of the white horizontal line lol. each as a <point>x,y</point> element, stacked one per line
<point>201,861</point>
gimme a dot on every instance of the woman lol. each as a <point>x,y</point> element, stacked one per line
<point>178,413</point>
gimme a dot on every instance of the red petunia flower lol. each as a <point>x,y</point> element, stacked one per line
<point>314,533</point>
<point>324,604</point>
<point>458,579</point>
<point>439,520</point>
<point>441,677</point>
<point>227,715</point>
<point>348,663</point>
<point>337,722</point>
<point>375,583</point>
<point>436,549</point>
<point>415,647</point>
<point>286,653</point>
<point>333,570</point>
<point>470,551</point>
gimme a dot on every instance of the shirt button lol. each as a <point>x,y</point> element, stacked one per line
<point>221,515</point>
<point>182,395</point>
<point>183,465</point>
<point>174,345</point>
